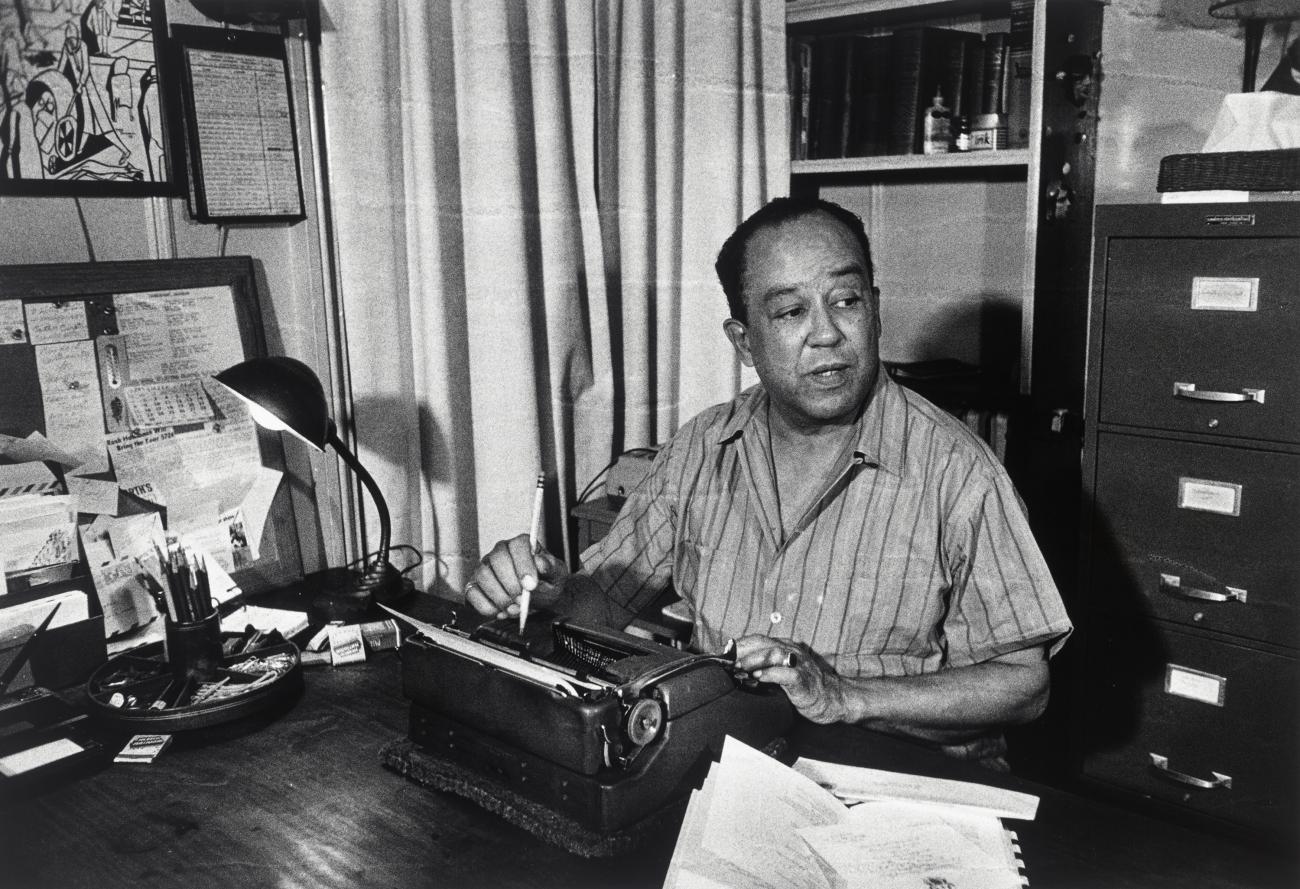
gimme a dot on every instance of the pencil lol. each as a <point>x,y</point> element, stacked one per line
<point>534,531</point>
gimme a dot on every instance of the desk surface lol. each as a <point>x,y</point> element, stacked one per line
<point>302,801</point>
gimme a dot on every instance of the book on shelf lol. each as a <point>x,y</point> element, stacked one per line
<point>826,107</point>
<point>1019,72</point>
<point>993,82</point>
<point>757,823</point>
<point>799,74</point>
<point>868,106</point>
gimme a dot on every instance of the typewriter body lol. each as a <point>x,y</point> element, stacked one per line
<point>601,727</point>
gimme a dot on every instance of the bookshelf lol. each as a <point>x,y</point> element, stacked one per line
<point>983,256</point>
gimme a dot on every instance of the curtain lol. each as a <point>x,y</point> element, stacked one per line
<point>527,198</point>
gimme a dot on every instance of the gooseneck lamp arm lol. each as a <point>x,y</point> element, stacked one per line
<point>380,566</point>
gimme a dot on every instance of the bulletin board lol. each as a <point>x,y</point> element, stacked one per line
<point>107,401</point>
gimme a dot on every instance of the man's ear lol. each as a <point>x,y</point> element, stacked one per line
<point>739,336</point>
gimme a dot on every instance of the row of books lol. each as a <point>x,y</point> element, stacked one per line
<point>862,95</point>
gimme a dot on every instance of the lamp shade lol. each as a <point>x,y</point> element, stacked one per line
<point>282,394</point>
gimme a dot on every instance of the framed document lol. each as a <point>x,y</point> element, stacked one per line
<point>240,132</point>
<point>83,112</point>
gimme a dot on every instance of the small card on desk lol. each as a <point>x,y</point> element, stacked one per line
<point>143,748</point>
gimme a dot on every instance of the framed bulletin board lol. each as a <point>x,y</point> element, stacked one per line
<point>108,411</point>
<point>240,132</point>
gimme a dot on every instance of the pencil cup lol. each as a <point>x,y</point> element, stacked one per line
<point>194,649</point>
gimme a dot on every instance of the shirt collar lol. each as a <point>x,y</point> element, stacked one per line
<point>880,436</point>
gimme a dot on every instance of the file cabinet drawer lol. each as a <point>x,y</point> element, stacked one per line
<point>1199,336</point>
<point>1203,535</point>
<point>1214,728</point>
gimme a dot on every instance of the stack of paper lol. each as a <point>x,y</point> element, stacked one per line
<point>756,823</point>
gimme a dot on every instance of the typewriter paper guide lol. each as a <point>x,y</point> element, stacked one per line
<point>540,674</point>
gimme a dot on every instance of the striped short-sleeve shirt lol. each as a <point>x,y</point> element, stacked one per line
<point>917,558</point>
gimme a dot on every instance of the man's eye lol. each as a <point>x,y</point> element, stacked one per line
<point>789,314</point>
<point>847,300</point>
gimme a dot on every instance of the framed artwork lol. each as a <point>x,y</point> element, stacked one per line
<point>240,135</point>
<point>83,112</point>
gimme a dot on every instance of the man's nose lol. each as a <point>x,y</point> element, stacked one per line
<point>824,330</point>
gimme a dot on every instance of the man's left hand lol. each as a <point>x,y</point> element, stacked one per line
<point>813,686</point>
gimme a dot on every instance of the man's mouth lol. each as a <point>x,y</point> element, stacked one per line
<point>829,374</point>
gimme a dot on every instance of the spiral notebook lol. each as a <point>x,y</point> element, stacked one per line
<point>757,823</point>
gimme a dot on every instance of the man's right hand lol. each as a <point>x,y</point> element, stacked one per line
<point>506,571</point>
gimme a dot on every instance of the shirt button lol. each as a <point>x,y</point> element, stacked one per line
<point>776,617</point>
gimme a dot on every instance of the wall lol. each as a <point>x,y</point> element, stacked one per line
<point>1167,64</point>
<point>293,286</point>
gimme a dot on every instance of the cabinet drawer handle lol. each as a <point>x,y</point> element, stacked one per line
<point>1172,585</point>
<point>1189,390</point>
<point>1161,765</point>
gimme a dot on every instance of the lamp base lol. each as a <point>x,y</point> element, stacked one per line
<point>356,596</point>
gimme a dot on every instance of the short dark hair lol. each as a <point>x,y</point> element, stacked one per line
<point>730,264</point>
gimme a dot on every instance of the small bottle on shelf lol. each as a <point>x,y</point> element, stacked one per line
<point>961,127</point>
<point>937,138</point>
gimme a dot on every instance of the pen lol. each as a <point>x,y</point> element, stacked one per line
<point>534,531</point>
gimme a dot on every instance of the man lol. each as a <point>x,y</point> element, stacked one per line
<point>828,514</point>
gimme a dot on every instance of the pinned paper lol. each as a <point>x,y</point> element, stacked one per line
<point>173,403</point>
<point>32,477</point>
<point>70,392</point>
<point>56,322</point>
<point>93,495</point>
<point>13,327</point>
<point>33,448</point>
<point>38,531</point>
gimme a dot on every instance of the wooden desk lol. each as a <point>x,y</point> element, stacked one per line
<point>301,801</point>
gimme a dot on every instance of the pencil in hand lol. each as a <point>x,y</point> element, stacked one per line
<point>534,531</point>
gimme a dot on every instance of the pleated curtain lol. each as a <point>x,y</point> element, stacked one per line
<point>526,201</point>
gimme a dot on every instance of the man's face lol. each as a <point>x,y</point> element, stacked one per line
<point>813,330</point>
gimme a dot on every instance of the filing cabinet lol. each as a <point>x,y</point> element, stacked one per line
<point>1189,611</point>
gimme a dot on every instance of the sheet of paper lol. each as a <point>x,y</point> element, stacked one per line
<point>13,327</point>
<point>69,383</point>
<point>895,845</point>
<point>34,447</point>
<point>170,403</point>
<point>255,506</point>
<point>32,477</point>
<point>195,516</point>
<point>56,322</point>
<point>93,495</point>
<point>288,623</point>
<point>758,804</point>
<point>856,783</point>
<point>692,866</point>
<point>124,566</point>
<point>38,531</point>
<point>509,663</point>
<point>150,466</point>
<point>20,620</point>
<point>175,334</point>
<point>40,755</point>
<point>221,450</point>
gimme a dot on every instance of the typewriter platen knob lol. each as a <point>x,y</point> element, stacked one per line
<point>645,720</point>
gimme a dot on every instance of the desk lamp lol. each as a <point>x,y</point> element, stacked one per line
<point>1254,14</point>
<point>284,395</point>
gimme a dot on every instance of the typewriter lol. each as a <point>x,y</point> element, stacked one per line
<point>600,727</point>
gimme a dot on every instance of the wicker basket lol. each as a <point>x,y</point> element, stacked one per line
<point>1276,170</point>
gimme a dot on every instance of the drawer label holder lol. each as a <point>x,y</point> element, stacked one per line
<point>1206,495</point>
<point>1225,294</point>
<point>1195,685</point>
